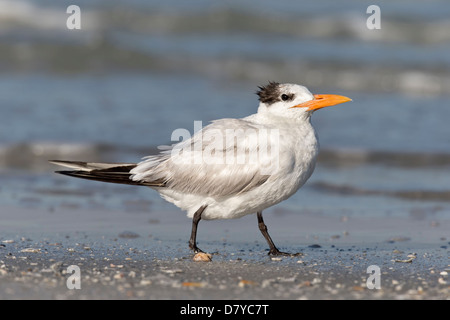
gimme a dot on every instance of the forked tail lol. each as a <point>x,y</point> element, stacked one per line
<point>106,172</point>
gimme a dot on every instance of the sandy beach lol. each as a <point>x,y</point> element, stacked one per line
<point>123,255</point>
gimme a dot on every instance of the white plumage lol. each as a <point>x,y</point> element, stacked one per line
<point>231,189</point>
<point>232,167</point>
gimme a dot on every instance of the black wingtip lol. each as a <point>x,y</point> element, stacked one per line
<point>106,175</point>
<point>66,173</point>
<point>76,174</point>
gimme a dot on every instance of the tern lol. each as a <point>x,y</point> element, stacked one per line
<point>270,155</point>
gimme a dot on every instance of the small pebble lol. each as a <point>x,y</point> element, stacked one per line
<point>398,239</point>
<point>276,258</point>
<point>246,283</point>
<point>145,282</point>
<point>118,276</point>
<point>30,250</point>
<point>193,284</point>
<point>129,235</point>
<point>202,257</point>
<point>172,271</point>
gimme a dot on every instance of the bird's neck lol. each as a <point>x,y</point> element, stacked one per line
<point>280,122</point>
<point>299,134</point>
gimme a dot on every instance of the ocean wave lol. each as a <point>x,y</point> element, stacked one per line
<point>421,79</point>
<point>348,190</point>
<point>237,42</point>
<point>415,23</point>
<point>36,155</point>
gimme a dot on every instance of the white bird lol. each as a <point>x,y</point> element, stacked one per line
<point>232,167</point>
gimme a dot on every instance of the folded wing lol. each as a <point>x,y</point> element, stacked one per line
<point>223,159</point>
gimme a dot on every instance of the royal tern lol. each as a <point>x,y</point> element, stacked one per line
<point>231,167</point>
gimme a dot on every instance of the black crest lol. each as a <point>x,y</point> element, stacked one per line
<point>270,93</point>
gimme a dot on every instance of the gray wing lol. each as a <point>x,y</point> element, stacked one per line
<point>212,162</point>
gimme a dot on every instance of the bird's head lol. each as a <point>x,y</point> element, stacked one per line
<point>293,101</point>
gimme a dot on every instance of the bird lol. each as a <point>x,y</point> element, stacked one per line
<point>231,167</point>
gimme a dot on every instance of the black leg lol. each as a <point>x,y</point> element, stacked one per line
<point>195,220</point>
<point>273,250</point>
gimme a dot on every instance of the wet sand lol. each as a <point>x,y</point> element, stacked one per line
<point>134,255</point>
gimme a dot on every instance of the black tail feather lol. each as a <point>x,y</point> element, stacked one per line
<point>112,175</point>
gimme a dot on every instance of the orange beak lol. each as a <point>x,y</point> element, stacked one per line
<point>322,101</point>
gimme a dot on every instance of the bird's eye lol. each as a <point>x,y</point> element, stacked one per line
<point>284,97</point>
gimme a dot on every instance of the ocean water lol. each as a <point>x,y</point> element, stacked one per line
<point>137,70</point>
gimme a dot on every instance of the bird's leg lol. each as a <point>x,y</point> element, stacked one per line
<point>195,220</point>
<point>273,250</point>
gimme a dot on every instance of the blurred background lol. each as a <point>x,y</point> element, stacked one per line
<point>138,69</point>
